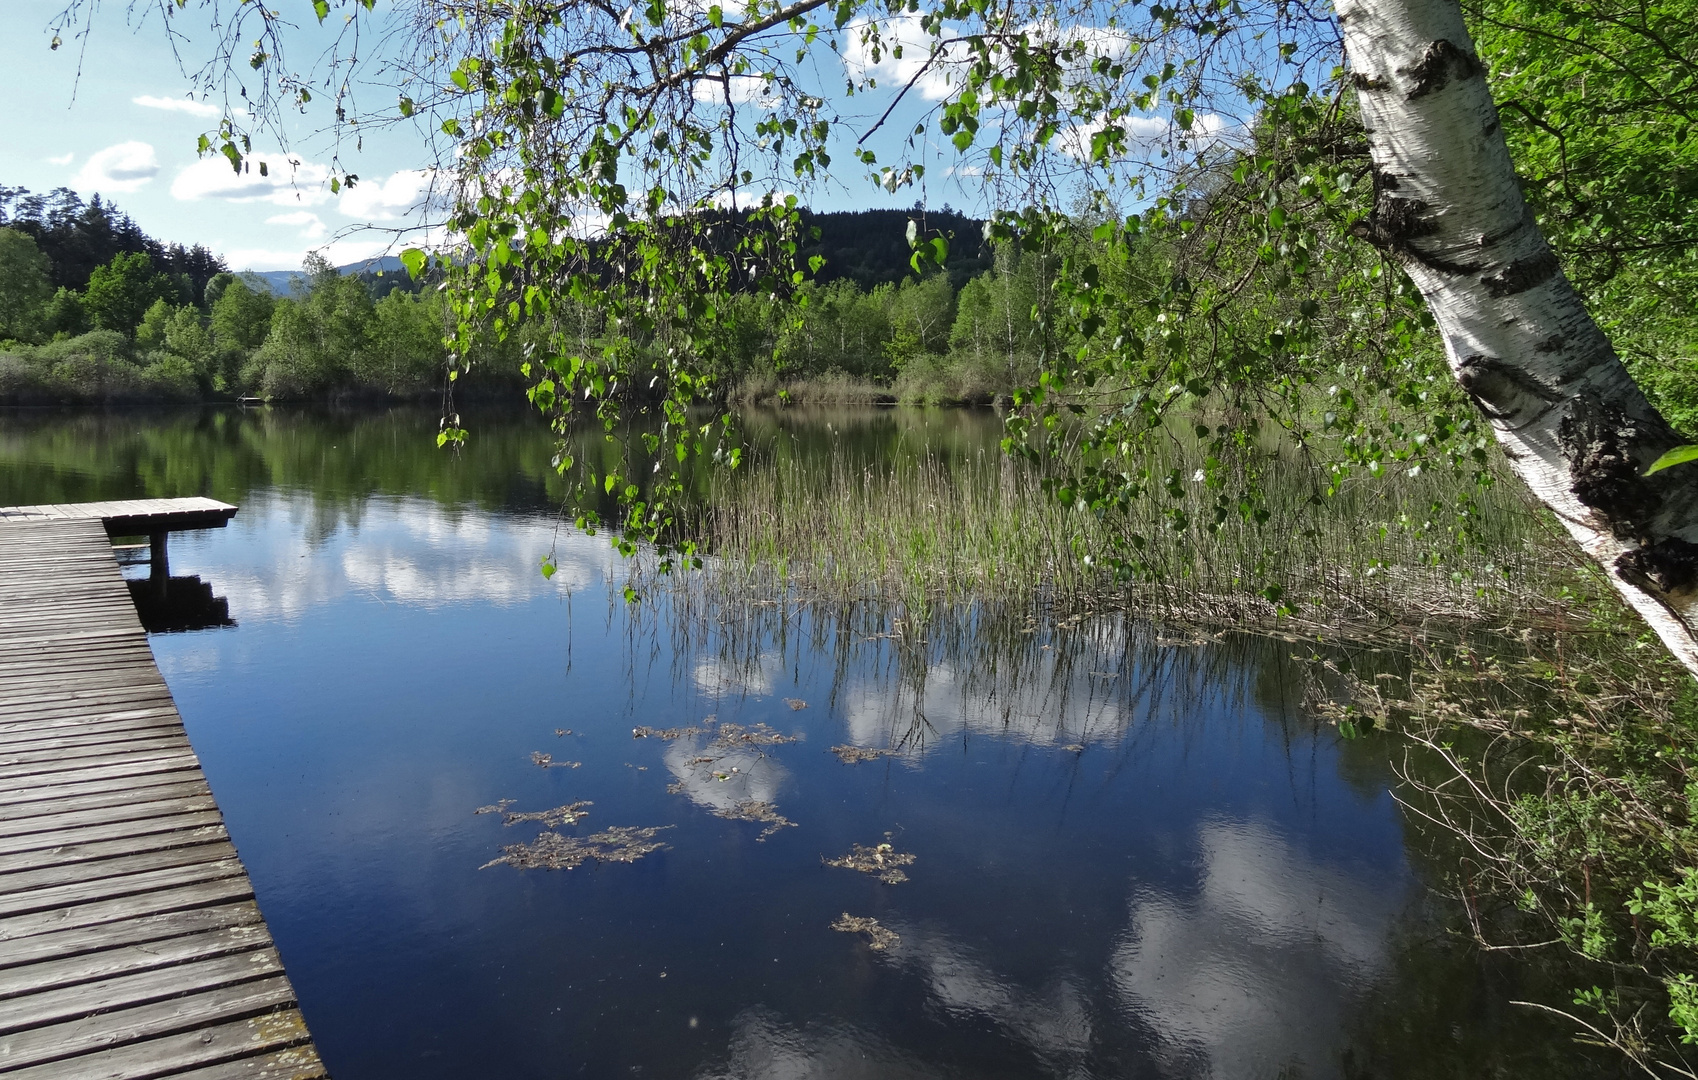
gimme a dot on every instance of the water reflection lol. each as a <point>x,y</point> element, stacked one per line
<point>178,604</point>
<point>1253,972</point>
<point>1132,858</point>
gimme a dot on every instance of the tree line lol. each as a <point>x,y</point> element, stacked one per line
<point>159,322</point>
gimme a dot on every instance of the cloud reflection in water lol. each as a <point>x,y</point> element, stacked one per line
<point>1256,971</point>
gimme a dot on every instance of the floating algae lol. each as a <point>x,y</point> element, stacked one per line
<point>495,808</point>
<point>879,938</point>
<point>547,761</point>
<point>854,755</point>
<point>667,734</point>
<point>552,851</point>
<point>1074,748</point>
<point>882,861</point>
<point>758,811</point>
<point>730,735</point>
<point>795,703</point>
<point>569,814</point>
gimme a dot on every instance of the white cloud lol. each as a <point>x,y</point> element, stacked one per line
<point>202,109</point>
<point>285,181</point>
<point>403,195</point>
<point>339,252</point>
<point>744,90</point>
<point>311,225</point>
<point>124,167</point>
<point>62,159</point>
<point>906,33</point>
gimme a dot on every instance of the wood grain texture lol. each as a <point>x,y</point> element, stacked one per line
<point>131,945</point>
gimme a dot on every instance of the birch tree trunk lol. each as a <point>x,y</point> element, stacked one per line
<point>1570,419</point>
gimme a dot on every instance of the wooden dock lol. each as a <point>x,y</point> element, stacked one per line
<point>130,942</point>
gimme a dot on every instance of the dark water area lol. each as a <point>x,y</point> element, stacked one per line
<point>1131,856</point>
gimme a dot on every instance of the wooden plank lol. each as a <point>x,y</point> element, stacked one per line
<point>296,1063</point>
<point>104,850</point>
<point>33,767</point>
<point>58,944</point>
<point>177,890</point>
<point>139,777</point>
<point>141,988</point>
<point>162,1038</point>
<point>176,786</point>
<point>67,843</point>
<point>131,959</point>
<point>15,750</point>
<point>106,766</point>
<point>61,898</point>
<point>18,886</point>
<point>83,720</point>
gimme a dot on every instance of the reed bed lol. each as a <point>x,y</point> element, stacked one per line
<point>1386,555</point>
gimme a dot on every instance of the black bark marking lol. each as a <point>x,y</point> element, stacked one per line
<point>1442,62</point>
<point>1523,274</point>
<point>1670,565</point>
<point>1502,391</point>
<point>1598,442</point>
<point>1552,344</point>
<point>1395,221</point>
<point>1368,82</point>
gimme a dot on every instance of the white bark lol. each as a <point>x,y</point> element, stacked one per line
<point>1574,426</point>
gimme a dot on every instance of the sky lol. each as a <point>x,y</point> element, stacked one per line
<point>126,128</point>
<point>113,115</point>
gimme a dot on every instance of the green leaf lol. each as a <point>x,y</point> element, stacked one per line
<point>1678,456</point>
<point>548,567</point>
<point>406,105</point>
<point>321,8</point>
<point>414,260</point>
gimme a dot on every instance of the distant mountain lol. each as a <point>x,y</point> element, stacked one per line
<point>869,247</point>
<point>283,282</point>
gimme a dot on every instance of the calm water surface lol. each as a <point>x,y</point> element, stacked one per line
<point>1131,858</point>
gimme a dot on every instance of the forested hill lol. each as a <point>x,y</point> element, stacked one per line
<point>870,247</point>
<point>77,237</point>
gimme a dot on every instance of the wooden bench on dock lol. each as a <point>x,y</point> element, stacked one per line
<point>131,945</point>
<point>153,518</point>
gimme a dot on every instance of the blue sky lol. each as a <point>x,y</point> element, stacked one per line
<point>127,129</point>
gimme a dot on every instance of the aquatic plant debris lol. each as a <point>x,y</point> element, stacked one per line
<point>854,755</point>
<point>758,811</point>
<point>883,862</point>
<point>570,814</point>
<point>562,731</point>
<point>1074,748</point>
<point>666,734</point>
<point>879,938</point>
<point>547,761</point>
<point>760,735</point>
<point>554,851</point>
<point>495,807</point>
<point>795,703</point>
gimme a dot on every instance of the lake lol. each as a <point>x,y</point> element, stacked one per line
<point>1076,848</point>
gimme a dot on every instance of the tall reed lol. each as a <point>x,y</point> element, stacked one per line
<point>926,529</point>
